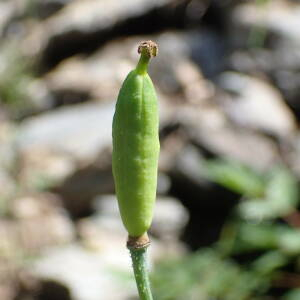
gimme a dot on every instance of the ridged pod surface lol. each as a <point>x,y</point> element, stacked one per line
<point>136,146</point>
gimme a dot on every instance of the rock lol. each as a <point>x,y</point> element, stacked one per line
<point>7,191</point>
<point>281,68</point>
<point>95,15</point>
<point>163,184</point>
<point>7,149</point>
<point>294,156</point>
<point>81,131</point>
<point>21,94</point>
<point>278,21</point>
<point>8,283</point>
<point>256,104</point>
<point>209,129</point>
<point>33,217</point>
<point>6,292</point>
<point>174,51</point>
<point>280,16</point>
<point>7,161</point>
<point>42,168</point>
<point>205,124</point>
<point>208,204</point>
<point>195,87</point>
<point>86,25</point>
<point>251,60</point>
<point>39,95</point>
<point>240,145</point>
<point>100,75</point>
<point>88,275</point>
<point>47,8</point>
<point>57,150</point>
<point>80,188</point>
<point>190,163</point>
<point>170,218</point>
<point>7,11</point>
<point>102,259</point>
<point>164,231</point>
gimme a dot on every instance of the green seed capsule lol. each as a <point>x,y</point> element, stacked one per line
<point>136,145</point>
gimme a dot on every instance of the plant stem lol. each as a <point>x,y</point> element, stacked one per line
<point>138,252</point>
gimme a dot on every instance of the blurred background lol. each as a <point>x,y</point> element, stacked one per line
<point>227,224</point>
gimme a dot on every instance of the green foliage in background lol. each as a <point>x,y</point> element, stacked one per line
<point>259,226</point>
<point>206,275</point>
<point>15,77</point>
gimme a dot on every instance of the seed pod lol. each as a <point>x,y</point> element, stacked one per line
<point>136,145</point>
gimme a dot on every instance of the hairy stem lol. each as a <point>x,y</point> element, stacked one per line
<point>138,251</point>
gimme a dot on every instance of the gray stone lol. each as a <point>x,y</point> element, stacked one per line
<point>7,149</point>
<point>209,128</point>
<point>92,14</point>
<point>88,274</point>
<point>7,9</point>
<point>46,8</point>
<point>101,74</point>
<point>294,156</point>
<point>8,190</point>
<point>33,216</point>
<point>190,163</point>
<point>96,268</point>
<point>280,16</point>
<point>256,104</point>
<point>169,218</point>
<point>80,131</point>
<point>79,20</point>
